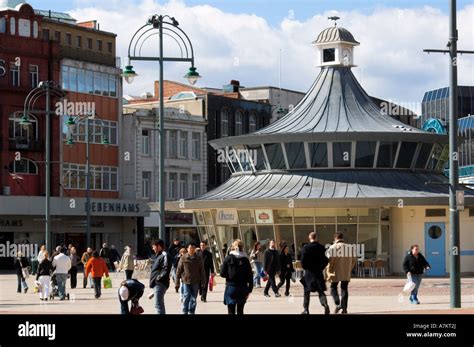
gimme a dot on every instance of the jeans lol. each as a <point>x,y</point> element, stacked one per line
<point>21,283</point>
<point>190,295</point>
<point>173,274</point>
<point>160,290</point>
<point>203,289</point>
<point>344,294</point>
<point>73,273</point>
<point>97,283</point>
<point>417,279</point>
<point>271,283</point>
<point>322,299</point>
<point>61,282</point>
<point>128,274</point>
<point>258,269</point>
<point>236,308</point>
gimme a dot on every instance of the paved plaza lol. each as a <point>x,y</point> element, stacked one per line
<point>382,296</point>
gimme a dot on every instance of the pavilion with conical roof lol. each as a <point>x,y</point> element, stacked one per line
<point>334,163</point>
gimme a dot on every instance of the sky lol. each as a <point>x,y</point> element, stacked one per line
<point>242,40</point>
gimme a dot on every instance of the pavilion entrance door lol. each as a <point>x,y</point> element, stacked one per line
<point>435,243</point>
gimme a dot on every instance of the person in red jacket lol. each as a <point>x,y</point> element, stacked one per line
<point>97,267</point>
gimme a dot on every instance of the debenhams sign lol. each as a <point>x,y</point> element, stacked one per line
<point>114,207</point>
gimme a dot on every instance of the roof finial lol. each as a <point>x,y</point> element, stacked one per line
<point>334,18</point>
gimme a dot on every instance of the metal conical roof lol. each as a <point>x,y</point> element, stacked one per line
<point>335,34</point>
<point>335,108</point>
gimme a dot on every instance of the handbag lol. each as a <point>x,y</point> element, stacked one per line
<point>409,285</point>
<point>26,272</point>
<point>107,282</point>
<point>211,283</point>
<point>136,309</point>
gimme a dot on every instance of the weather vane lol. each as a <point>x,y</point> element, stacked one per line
<point>334,18</point>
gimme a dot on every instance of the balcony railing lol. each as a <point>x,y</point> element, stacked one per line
<point>25,144</point>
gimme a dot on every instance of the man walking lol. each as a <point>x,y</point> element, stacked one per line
<point>160,275</point>
<point>97,267</point>
<point>341,262</point>
<point>191,272</point>
<point>208,268</point>
<point>313,261</point>
<point>85,258</point>
<point>62,263</point>
<point>414,265</point>
<point>271,266</point>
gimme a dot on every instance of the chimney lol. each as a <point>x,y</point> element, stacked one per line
<point>233,87</point>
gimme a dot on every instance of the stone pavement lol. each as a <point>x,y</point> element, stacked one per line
<point>382,296</point>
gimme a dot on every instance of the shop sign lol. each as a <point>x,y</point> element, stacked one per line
<point>11,223</point>
<point>3,71</point>
<point>264,216</point>
<point>113,207</point>
<point>226,217</point>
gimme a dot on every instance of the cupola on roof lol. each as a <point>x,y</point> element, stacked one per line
<point>335,34</point>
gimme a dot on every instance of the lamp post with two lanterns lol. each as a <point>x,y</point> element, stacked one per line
<point>161,25</point>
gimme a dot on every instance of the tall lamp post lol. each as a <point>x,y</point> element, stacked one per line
<point>71,124</point>
<point>455,263</point>
<point>161,25</point>
<point>48,90</point>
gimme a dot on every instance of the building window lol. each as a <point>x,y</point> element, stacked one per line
<point>365,153</point>
<point>23,166</point>
<point>87,81</point>
<point>173,144</point>
<point>18,133</point>
<point>145,142</point>
<point>89,43</point>
<point>12,26</point>
<point>98,131</point>
<point>46,34</point>
<point>224,123</point>
<point>99,45</point>
<point>35,29</point>
<point>329,55</point>
<point>196,184</point>
<point>239,125</point>
<point>387,152</point>
<point>183,144</point>
<point>341,152</point>
<point>183,185</point>
<point>435,212</point>
<point>406,154</point>
<point>146,177</point>
<point>79,41</point>
<point>3,25</point>
<point>172,186</point>
<point>252,123</point>
<point>68,39</point>
<point>15,74</point>
<point>34,72</point>
<point>103,178</point>
<point>57,36</point>
<point>196,146</point>
<point>318,153</point>
<point>109,47</point>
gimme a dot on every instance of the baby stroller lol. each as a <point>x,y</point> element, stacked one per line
<point>54,288</point>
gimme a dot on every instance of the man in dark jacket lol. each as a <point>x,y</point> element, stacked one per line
<point>414,265</point>
<point>130,290</point>
<point>208,268</point>
<point>160,275</point>
<point>271,266</point>
<point>313,261</point>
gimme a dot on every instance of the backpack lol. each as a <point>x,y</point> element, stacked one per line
<point>237,269</point>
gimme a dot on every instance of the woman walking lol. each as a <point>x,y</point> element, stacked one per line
<point>287,269</point>
<point>21,267</point>
<point>256,257</point>
<point>97,267</point>
<point>74,262</point>
<point>414,265</point>
<point>238,274</point>
<point>45,269</point>
<point>126,263</point>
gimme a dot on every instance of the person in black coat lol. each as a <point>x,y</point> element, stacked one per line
<point>21,263</point>
<point>160,275</point>
<point>414,265</point>
<point>271,266</point>
<point>313,261</point>
<point>238,274</point>
<point>130,290</point>
<point>208,268</point>
<point>287,269</point>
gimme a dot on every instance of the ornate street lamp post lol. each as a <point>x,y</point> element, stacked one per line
<point>161,25</point>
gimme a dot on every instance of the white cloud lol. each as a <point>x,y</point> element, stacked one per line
<point>391,62</point>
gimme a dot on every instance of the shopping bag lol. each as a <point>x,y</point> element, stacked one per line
<point>26,272</point>
<point>211,283</point>
<point>107,282</point>
<point>264,276</point>
<point>409,285</point>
